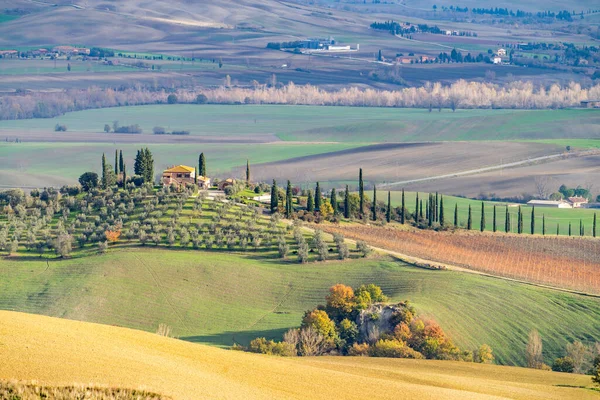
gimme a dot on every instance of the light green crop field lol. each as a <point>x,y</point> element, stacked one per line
<point>33,162</point>
<point>553,216</point>
<point>343,124</point>
<point>225,298</point>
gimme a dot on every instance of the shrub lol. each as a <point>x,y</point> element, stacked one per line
<point>201,99</point>
<point>563,364</point>
<point>264,346</point>
<point>159,130</point>
<point>359,349</point>
<point>172,99</point>
<point>363,248</point>
<point>128,129</point>
<point>483,354</point>
<point>60,128</point>
<point>393,349</point>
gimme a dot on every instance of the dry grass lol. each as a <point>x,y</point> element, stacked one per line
<point>30,391</point>
<point>570,263</point>
<point>60,352</point>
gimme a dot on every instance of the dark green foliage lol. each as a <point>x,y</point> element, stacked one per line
<point>417,203</point>
<point>563,364</point>
<point>403,213</point>
<point>374,207</point>
<point>201,165</point>
<point>347,211</point>
<point>495,220</point>
<point>116,162</point>
<point>318,197</point>
<point>569,228</point>
<point>507,221</point>
<point>543,224</point>
<point>532,220</point>
<point>361,193</point>
<point>310,203</point>
<point>88,180</point>
<point>456,215</point>
<point>124,180</point>
<point>144,165</point>
<point>482,222</point>
<point>274,199</point>
<point>469,219</point>
<point>248,173</point>
<point>172,99</point>
<point>441,214</point>
<point>121,162</point>
<point>388,212</point>
<point>520,221</point>
<point>594,226</point>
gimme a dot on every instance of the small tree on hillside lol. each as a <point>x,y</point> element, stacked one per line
<point>533,352</point>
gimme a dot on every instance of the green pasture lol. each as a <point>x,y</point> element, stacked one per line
<point>337,124</point>
<point>65,162</point>
<point>554,216</point>
<point>6,18</point>
<point>225,298</point>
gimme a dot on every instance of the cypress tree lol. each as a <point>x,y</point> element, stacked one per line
<point>361,194</point>
<point>543,224</point>
<point>520,221</point>
<point>137,165</point>
<point>124,181</point>
<point>441,217</point>
<point>201,165</point>
<point>104,177</point>
<point>431,210</point>
<point>310,203</point>
<point>417,203</point>
<point>428,211</point>
<point>456,215</point>
<point>288,200</point>
<point>148,166</point>
<point>436,214</point>
<point>569,228</point>
<point>469,219</point>
<point>116,162</point>
<point>533,220</point>
<point>482,222</point>
<point>274,199</point>
<point>388,213</point>
<point>121,162</point>
<point>557,229</point>
<point>594,226</point>
<point>374,208</point>
<point>403,216</point>
<point>248,172</point>
<point>333,201</point>
<point>347,211</point>
<point>494,221</point>
<point>507,220</point>
<point>421,209</point>
<point>581,228</point>
<point>318,198</point>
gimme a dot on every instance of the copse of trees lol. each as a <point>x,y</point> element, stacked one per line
<point>144,165</point>
<point>358,322</point>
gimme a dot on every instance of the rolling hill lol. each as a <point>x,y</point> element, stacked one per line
<point>60,352</point>
<point>220,299</point>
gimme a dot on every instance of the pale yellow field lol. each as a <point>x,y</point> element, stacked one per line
<point>61,352</point>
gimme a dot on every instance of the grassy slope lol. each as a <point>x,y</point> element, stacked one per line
<point>553,216</point>
<point>347,124</point>
<point>221,298</point>
<point>59,352</point>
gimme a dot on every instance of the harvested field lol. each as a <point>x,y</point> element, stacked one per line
<point>577,171</point>
<point>58,352</point>
<point>399,162</point>
<point>569,263</point>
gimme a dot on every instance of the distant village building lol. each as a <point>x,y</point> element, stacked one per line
<point>577,201</point>
<point>590,103</point>
<point>182,175</point>
<point>501,52</point>
<point>70,50</point>
<point>549,203</point>
<point>497,60</point>
<point>571,202</point>
<point>9,53</point>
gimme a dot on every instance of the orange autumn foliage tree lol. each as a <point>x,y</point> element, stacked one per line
<point>113,235</point>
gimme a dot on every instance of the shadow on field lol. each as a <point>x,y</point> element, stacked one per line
<point>239,337</point>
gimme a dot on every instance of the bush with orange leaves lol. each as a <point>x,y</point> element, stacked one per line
<point>113,235</point>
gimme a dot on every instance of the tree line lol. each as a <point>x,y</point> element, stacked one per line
<point>468,95</point>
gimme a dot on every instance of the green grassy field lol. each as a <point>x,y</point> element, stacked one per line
<point>344,124</point>
<point>553,216</point>
<point>47,160</point>
<point>225,298</point>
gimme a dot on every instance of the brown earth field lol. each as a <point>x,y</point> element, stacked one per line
<point>583,171</point>
<point>392,162</point>
<point>569,263</point>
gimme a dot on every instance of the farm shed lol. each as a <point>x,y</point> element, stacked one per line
<point>549,203</point>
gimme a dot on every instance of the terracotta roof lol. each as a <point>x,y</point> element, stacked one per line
<point>203,178</point>
<point>578,199</point>
<point>180,169</point>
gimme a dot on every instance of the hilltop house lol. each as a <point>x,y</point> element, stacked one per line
<point>577,201</point>
<point>182,175</point>
<point>501,52</point>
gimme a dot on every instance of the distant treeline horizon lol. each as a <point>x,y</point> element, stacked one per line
<point>459,95</point>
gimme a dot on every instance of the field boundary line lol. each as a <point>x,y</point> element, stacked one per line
<point>286,295</point>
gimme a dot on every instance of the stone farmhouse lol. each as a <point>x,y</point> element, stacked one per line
<point>572,202</point>
<point>182,175</point>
